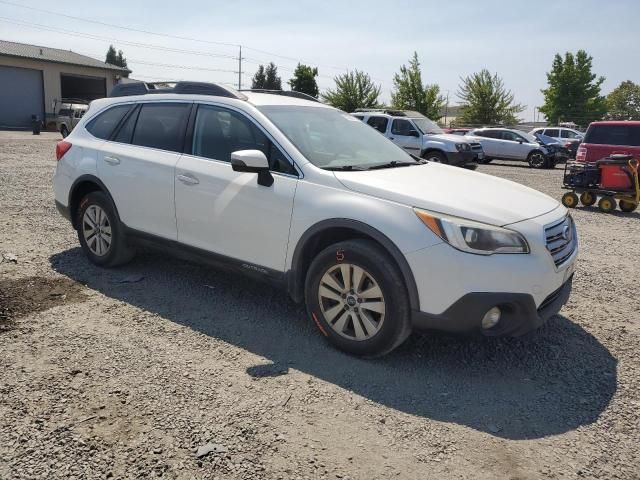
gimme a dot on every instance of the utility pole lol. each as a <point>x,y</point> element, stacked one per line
<point>446,110</point>
<point>240,68</point>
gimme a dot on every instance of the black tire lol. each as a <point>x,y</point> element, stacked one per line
<point>607,204</point>
<point>627,206</point>
<point>394,327</point>
<point>588,199</point>
<point>118,252</point>
<point>64,131</point>
<point>537,159</point>
<point>570,200</point>
<point>485,160</point>
<point>436,157</point>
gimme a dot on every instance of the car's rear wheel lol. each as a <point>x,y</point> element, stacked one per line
<point>537,159</point>
<point>100,232</point>
<point>356,296</point>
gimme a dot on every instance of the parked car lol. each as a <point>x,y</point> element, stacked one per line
<point>511,144</point>
<point>69,114</point>
<point>457,131</point>
<point>421,137</point>
<point>557,152</point>
<point>302,195</point>
<point>607,138</point>
<point>570,137</point>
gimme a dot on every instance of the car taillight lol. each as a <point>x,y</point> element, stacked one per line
<point>62,148</point>
<point>581,154</point>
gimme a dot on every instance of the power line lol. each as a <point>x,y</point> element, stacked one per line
<point>167,35</point>
<point>73,33</point>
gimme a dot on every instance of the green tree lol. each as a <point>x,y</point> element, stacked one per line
<point>485,101</point>
<point>304,80</point>
<point>272,80</point>
<point>353,90</point>
<point>115,58</point>
<point>409,93</point>
<point>259,79</point>
<point>623,103</point>
<point>573,92</point>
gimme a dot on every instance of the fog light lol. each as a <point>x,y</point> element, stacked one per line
<point>491,318</point>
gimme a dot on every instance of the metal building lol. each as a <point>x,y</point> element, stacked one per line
<point>35,79</point>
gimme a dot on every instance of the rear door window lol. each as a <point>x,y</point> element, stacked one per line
<point>162,126</point>
<point>627,135</point>
<point>379,123</point>
<point>105,123</point>
<point>552,132</point>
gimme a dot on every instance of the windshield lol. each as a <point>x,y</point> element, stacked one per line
<point>330,138</point>
<point>427,126</point>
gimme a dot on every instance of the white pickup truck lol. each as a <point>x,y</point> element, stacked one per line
<point>422,137</point>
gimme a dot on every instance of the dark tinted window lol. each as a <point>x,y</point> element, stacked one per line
<point>103,124</point>
<point>125,132</point>
<point>512,137</point>
<point>379,123</point>
<point>359,117</point>
<point>552,132</point>
<point>161,125</point>
<point>490,133</point>
<point>218,132</point>
<point>402,127</point>
<point>64,112</point>
<point>614,135</point>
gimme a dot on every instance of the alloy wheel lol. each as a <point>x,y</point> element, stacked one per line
<point>537,160</point>
<point>96,229</point>
<point>352,301</point>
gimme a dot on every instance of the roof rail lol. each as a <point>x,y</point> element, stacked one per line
<point>285,93</point>
<point>394,112</point>
<point>183,88</point>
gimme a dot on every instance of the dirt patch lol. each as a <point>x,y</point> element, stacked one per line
<point>22,296</point>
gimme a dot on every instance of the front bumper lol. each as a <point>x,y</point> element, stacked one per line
<point>519,313</point>
<point>461,158</point>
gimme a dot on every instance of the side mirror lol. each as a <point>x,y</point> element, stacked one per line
<point>252,161</point>
<point>413,133</point>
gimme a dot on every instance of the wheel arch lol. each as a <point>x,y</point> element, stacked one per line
<point>328,232</point>
<point>81,187</point>
<point>433,149</point>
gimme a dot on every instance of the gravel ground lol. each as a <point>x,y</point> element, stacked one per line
<point>126,373</point>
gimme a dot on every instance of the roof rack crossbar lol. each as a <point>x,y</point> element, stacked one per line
<point>285,93</point>
<point>184,88</point>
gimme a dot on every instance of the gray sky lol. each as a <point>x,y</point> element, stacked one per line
<point>516,39</point>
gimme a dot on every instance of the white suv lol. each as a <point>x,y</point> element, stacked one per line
<point>422,137</point>
<point>308,197</point>
<point>512,145</point>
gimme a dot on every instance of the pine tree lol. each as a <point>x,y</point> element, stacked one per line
<point>353,90</point>
<point>304,80</point>
<point>409,93</point>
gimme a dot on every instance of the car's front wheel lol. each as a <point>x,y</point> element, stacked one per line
<point>436,157</point>
<point>537,159</point>
<point>100,232</point>
<point>356,296</point>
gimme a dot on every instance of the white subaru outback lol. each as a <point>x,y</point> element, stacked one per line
<point>286,189</point>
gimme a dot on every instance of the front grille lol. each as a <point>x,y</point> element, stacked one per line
<point>561,240</point>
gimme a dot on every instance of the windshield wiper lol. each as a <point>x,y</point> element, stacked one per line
<point>392,164</point>
<point>343,168</point>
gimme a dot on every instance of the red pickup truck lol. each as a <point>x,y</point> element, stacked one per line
<point>606,138</point>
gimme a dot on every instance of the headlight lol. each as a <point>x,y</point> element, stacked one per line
<point>463,147</point>
<point>473,237</point>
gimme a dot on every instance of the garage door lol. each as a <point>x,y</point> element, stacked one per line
<point>21,95</point>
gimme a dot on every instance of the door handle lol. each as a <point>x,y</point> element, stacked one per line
<point>188,179</point>
<point>391,138</point>
<point>112,160</point>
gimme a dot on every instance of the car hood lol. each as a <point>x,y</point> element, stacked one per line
<point>449,137</point>
<point>453,191</point>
